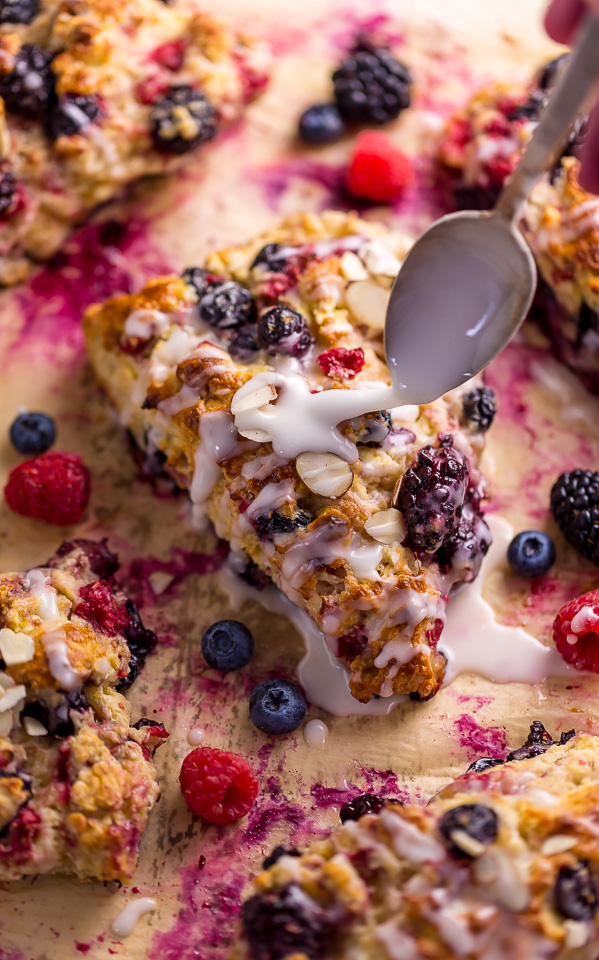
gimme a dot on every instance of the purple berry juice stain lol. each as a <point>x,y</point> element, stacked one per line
<point>479,741</point>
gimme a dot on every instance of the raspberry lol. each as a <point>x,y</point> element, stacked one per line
<point>218,787</point>
<point>576,631</point>
<point>54,487</point>
<point>99,606</point>
<point>341,364</point>
<point>378,170</point>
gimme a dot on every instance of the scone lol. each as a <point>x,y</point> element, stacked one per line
<point>481,146</point>
<point>368,539</point>
<point>95,94</point>
<point>77,781</point>
<point>502,864</point>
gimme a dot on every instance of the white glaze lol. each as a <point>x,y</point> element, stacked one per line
<point>57,652</point>
<point>409,842</point>
<point>474,642</point>
<point>219,441</point>
<point>145,323</point>
<point>299,421</point>
<point>195,736</point>
<point>399,946</point>
<point>316,733</point>
<point>125,923</point>
<point>37,583</point>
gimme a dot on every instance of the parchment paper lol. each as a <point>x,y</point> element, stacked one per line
<point>546,423</point>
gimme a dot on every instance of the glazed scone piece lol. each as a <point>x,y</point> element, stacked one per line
<point>368,540</point>
<point>501,865</point>
<point>481,147</point>
<point>95,94</point>
<point>77,782</point>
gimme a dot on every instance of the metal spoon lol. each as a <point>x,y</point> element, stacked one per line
<point>468,282</point>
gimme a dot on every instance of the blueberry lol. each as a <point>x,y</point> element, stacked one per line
<point>551,72</point>
<point>530,109</point>
<point>197,278</point>
<point>277,706</point>
<point>484,763</point>
<point>283,330</point>
<point>478,822</point>
<point>71,114</point>
<point>269,525</point>
<point>278,852</point>
<point>244,343</point>
<point>321,123</point>
<point>18,11</point>
<point>32,433</point>
<point>531,553</point>
<point>282,923</point>
<point>227,645</point>
<point>575,892</point>
<point>373,429</point>
<point>273,257</point>
<point>140,641</point>
<point>226,305</point>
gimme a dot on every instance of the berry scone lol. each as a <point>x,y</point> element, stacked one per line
<point>504,863</point>
<point>368,539</point>
<point>94,95</point>
<point>481,147</point>
<point>77,781</point>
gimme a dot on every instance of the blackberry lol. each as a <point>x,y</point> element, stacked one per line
<point>71,114</point>
<point>431,496</point>
<point>273,257</point>
<point>282,923</point>
<point>530,109</point>
<point>268,526</point>
<point>371,86</point>
<point>478,822</point>
<point>361,805</point>
<point>283,330</point>
<point>278,852</point>
<point>476,197</point>
<point>484,763</point>
<point>18,11</point>
<point>480,407</point>
<point>197,278</point>
<point>465,550</point>
<point>182,119</point>
<point>102,561</point>
<point>537,742</point>
<point>550,73</point>
<point>321,123</point>
<point>226,305</point>
<point>575,507</point>
<point>8,192</point>
<point>140,641</point>
<point>576,895</point>
<point>57,718</point>
<point>29,89</point>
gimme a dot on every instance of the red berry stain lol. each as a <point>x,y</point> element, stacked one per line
<point>184,563</point>
<point>82,947</point>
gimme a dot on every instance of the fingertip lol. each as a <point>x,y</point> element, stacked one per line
<point>562,18</point>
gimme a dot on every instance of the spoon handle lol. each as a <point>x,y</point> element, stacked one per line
<point>550,135</point>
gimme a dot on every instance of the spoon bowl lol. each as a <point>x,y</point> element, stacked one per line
<point>461,294</point>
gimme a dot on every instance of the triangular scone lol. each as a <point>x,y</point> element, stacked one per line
<point>502,865</point>
<point>95,94</point>
<point>172,358</point>
<point>76,778</point>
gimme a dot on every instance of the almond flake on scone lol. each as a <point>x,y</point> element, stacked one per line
<point>95,94</point>
<point>369,537</point>
<point>77,782</point>
<point>502,864</point>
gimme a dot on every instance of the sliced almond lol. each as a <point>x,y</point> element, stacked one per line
<point>558,843</point>
<point>471,846</point>
<point>325,474</point>
<point>352,267</point>
<point>33,727</point>
<point>368,303</point>
<point>386,526</point>
<point>15,647</point>
<point>245,400</point>
<point>11,697</point>
<point>260,436</point>
<point>379,260</point>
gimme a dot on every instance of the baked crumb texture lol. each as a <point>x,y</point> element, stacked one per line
<point>76,779</point>
<point>481,146</point>
<point>172,378</point>
<point>79,87</point>
<point>391,887</point>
